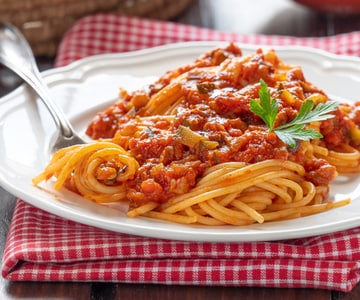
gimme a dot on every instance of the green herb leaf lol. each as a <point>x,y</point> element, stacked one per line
<point>267,108</point>
<point>289,133</point>
<point>296,132</point>
<point>307,114</point>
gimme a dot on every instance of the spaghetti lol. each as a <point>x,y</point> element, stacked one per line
<point>188,149</point>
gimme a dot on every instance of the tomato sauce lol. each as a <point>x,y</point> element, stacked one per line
<point>214,109</point>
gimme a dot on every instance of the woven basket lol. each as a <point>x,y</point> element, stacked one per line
<point>43,22</point>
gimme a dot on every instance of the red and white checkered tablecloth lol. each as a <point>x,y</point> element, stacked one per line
<point>44,247</point>
<point>106,33</point>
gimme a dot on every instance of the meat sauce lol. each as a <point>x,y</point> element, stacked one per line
<point>214,109</point>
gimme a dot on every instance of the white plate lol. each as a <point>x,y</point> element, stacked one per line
<point>91,84</point>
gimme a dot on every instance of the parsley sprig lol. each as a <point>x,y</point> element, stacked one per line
<point>267,110</point>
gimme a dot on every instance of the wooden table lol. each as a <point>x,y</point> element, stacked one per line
<point>246,16</point>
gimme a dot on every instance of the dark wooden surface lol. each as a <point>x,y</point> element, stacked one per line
<point>281,17</point>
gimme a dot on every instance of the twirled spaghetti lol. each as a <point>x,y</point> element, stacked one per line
<point>91,170</point>
<point>188,149</point>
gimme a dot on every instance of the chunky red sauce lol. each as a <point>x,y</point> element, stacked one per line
<point>215,106</point>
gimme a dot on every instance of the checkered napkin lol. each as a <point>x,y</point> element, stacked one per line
<point>44,247</point>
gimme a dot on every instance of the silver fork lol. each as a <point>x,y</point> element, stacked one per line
<point>16,54</point>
